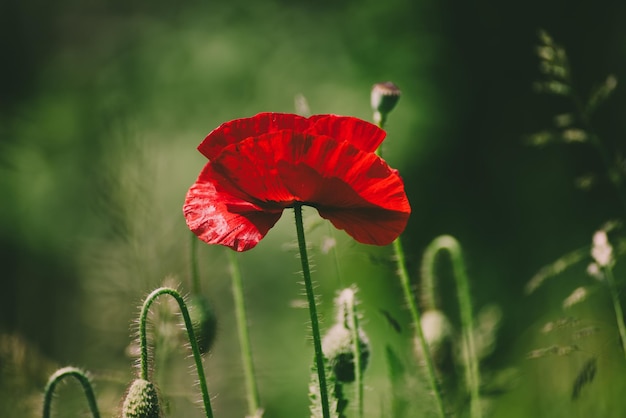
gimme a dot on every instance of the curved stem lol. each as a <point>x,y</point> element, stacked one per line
<point>143,339</point>
<point>415,317</point>
<point>252,392</point>
<point>315,327</point>
<point>472,372</point>
<point>617,306</point>
<point>84,381</point>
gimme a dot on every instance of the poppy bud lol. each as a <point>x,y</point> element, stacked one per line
<point>384,98</point>
<point>142,401</point>
<point>337,347</point>
<point>204,322</point>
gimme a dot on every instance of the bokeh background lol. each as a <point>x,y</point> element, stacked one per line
<point>102,104</point>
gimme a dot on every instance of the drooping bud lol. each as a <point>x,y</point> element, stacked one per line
<point>142,401</point>
<point>204,322</point>
<point>384,98</point>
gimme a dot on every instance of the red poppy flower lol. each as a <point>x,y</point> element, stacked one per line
<point>261,165</point>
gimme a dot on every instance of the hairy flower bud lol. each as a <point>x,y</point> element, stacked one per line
<point>204,322</point>
<point>337,347</point>
<point>142,401</point>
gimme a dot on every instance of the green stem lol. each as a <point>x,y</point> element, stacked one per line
<point>353,325</point>
<point>84,381</point>
<point>143,339</point>
<point>193,260</point>
<point>617,306</point>
<point>472,372</point>
<point>315,327</point>
<point>405,281</point>
<point>252,392</point>
<point>415,317</point>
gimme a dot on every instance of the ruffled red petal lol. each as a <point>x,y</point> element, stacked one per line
<point>355,190</point>
<point>363,135</point>
<point>216,212</point>
<point>239,129</point>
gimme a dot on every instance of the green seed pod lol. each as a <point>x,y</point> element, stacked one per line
<point>204,322</point>
<point>337,347</point>
<point>142,401</point>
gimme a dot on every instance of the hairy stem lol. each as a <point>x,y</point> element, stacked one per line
<point>315,327</point>
<point>415,317</point>
<point>84,381</point>
<point>472,371</point>
<point>143,339</point>
<point>353,325</point>
<point>252,392</point>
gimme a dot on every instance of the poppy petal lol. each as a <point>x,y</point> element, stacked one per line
<point>218,216</point>
<point>363,135</point>
<point>356,190</point>
<point>240,129</point>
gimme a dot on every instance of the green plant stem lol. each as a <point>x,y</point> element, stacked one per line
<point>472,371</point>
<point>252,392</point>
<point>84,381</point>
<point>353,325</point>
<point>405,281</point>
<point>415,317</point>
<point>617,306</point>
<point>315,327</point>
<point>143,339</point>
<point>193,261</point>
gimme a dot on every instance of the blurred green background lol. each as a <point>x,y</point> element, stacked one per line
<point>102,104</point>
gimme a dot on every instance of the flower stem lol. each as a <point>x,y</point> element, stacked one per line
<point>415,317</point>
<point>252,392</point>
<point>143,339</point>
<point>472,372</point>
<point>315,327</point>
<point>84,381</point>
<point>617,306</point>
<point>353,325</point>
<point>410,301</point>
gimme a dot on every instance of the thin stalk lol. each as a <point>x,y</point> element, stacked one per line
<point>405,281</point>
<point>415,317</point>
<point>315,327</point>
<point>143,339</point>
<point>252,391</point>
<point>617,306</point>
<point>353,325</point>
<point>472,372</point>
<point>84,381</point>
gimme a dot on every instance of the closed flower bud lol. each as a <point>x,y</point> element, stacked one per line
<point>384,98</point>
<point>204,322</point>
<point>337,347</point>
<point>142,401</point>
